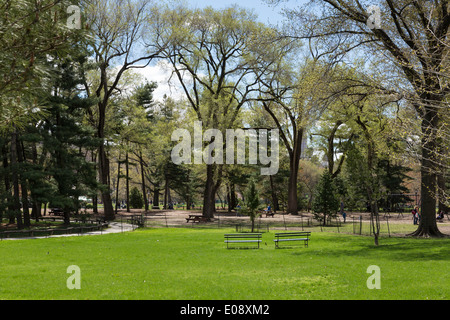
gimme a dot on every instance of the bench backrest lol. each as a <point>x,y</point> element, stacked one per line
<point>243,235</point>
<point>293,234</point>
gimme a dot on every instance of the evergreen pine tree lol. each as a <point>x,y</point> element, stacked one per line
<point>136,199</point>
<point>326,202</point>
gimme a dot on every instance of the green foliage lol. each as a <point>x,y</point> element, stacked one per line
<point>251,202</point>
<point>136,199</point>
<point>326,201</point>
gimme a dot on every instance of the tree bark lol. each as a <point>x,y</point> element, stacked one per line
<point>15,180</point>
<point>7,180</point>
<point>209,195</point>
<point>127,180</point>
<point>294,162</point>
<point>155,198</point>
<point>104,172</point>
<point>427,225</point>
<point>144,191</point>
<point>24,187</point>
<point>275,204</point>
<point>118,184</point>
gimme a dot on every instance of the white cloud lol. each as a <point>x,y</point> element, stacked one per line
<point>161,73</point>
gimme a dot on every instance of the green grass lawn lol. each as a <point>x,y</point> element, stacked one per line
<point>194,264</point>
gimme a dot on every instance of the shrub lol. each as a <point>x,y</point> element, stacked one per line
<point>136,199</point>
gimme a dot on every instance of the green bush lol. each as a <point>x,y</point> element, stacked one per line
<point>136,199</point>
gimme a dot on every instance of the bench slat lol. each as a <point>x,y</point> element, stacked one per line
<point>296,239</point>
<point>243,238</point>
<point>237,241</point>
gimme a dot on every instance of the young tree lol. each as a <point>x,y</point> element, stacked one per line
<point>251,202</point>
<point>325,203</point>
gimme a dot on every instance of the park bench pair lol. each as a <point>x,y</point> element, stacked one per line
<point>256,238</point>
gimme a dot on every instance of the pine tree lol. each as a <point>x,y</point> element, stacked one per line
<point>326,202</point>
<point>136,199</point>
<point>66,140</point>
<point>251,202</point>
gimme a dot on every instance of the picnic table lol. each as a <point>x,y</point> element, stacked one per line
<point>197,218</point>
<point>56,211</point>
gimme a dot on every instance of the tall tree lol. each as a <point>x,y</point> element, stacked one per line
<point>411,38</point>
<point>212,55</point>
<point>116,42</point>
<point>291,94</point>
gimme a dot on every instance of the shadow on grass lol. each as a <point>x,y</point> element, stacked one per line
<point>395,249</point>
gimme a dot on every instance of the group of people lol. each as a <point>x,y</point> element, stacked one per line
<point>416,215</point>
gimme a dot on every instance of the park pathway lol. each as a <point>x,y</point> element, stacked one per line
<point>114,227</point>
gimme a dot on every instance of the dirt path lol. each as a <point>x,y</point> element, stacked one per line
<point>178,218</point>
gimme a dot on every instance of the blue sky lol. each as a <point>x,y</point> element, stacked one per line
<point>265,12</point>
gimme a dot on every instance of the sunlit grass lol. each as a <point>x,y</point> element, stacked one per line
<point>192,264</point>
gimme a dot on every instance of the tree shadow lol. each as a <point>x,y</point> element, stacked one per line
<point>391,249</point>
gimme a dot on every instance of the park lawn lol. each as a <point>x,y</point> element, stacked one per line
<point>194,264</point>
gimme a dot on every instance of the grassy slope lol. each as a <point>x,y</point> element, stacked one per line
<point>173,264</point>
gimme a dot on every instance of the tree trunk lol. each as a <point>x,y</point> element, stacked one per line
<point>118,184</point>
<point>209,194</point>
<point>127,180</point>
<point>15,180</point>
<point>427,225</point>
<point>156,198</point>
<point>144,191</point>
<point>106,195</point>
<point>95,196</point>
<point>7,180</point>
<point>294,160</point>
<point>24,187</point>
<point>166,191</point>
<point>275,204</point>
<point>233,199</point>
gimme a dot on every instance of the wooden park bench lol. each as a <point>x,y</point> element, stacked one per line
<point>292,236</point>
<point>197,218</point>
<point>243,238</point>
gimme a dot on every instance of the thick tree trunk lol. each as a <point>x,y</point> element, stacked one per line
<point>427,225</point>
<point>103,167</point>
<point>209,195</point>
<point>156,199</point>
<point>106,195</point>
